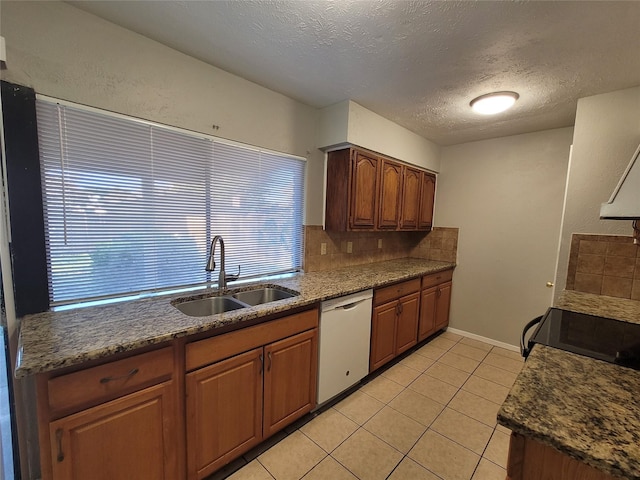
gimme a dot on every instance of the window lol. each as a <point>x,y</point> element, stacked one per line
<point>131,206</point>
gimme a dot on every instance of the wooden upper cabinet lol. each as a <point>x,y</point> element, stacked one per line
<point>352,190</point>
<point>364,185</point>
<point>427,193</point>
<point>411,184</point>
<point>366,191</point>
<point>390,194</point>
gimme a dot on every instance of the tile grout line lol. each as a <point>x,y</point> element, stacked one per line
<point>427,427</point>
<point>494,427</point>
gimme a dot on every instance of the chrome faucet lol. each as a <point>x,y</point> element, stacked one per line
<point>223,278</point>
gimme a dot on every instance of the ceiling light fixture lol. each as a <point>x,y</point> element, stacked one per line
<point>493,103</point>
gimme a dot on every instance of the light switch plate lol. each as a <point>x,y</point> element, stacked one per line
<point>349,247</point>
<point>323,248</point>
<point>379,243</point>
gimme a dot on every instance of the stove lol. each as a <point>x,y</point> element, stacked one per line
<point>603,338</point>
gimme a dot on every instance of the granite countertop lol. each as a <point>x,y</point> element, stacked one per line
<point>52,340</point>
<point>600,305</point>
<point>586,408</point>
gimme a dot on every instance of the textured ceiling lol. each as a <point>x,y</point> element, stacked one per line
<point>418,63</point>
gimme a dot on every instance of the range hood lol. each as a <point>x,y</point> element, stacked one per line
<point>624,203</point>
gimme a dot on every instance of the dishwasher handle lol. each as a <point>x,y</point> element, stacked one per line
<point>350,306</point>
<point>346,302</point>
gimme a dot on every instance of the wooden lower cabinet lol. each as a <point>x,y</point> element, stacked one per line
<point>443,304</point>
<point>224,411</point>
<point>435,302</point>
<point>130,437</point>
<point>427,324</point>
<point>394,323</point>
<point>531,460</point>
<point>407,325</point>
<point>289,380</point>
<point>180,410</point>
<point>112,421</point>
<point>235,403</point>
<point>383,328</point>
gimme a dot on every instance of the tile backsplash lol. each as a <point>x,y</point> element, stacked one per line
<point>604,265</point>
<point>345,249</point>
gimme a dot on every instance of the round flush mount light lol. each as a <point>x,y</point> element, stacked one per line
<point>493,103</point>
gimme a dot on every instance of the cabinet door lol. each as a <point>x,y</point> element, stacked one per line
<point>411,180</point>
<point>427,324</point>
<point>364,185</point>
<point>224,412</point>
<point>532,460</point>
<point>390,191</point>
<point>289,379</point>
<point>407,328</point>
<point>427,193</point>
<point>383,334</point>
<point>131,437</point>
<point>443,302</point>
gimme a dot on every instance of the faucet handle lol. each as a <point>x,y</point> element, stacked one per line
<point>233,278</point>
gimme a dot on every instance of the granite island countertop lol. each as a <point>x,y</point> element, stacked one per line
<point>586,408</point>
<point>58,339</point>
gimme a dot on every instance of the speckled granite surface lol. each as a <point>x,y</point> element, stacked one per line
<point>586,408</point>
<point>600,305</point>
<point>53,340</point>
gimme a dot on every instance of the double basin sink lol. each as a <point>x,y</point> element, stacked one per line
<point>203,307</point>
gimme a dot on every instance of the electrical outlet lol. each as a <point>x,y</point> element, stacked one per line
<point>349,247</point>
<point>323,248</point>
<point>379,243</point>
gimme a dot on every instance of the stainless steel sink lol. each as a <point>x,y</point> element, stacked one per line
<point>203,307</point>
<point>262,295</point>
<point>209,306</point>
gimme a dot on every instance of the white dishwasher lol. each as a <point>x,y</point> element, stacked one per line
<point>343,353</point>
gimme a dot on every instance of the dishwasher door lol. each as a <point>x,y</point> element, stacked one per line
<point>345,336</point>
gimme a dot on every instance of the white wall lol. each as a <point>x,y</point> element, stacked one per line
<point>506,196</point>
<point>66,53</point>
<point>606,134</point>
<point>349,123</point>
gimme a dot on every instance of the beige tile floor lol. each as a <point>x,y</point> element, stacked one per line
<point>431,416</point>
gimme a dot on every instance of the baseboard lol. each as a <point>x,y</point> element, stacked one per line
<point>491,341</point>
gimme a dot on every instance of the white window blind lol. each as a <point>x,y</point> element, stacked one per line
<point>131,206</point>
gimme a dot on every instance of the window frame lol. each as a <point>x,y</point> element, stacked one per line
<point>210,278</point>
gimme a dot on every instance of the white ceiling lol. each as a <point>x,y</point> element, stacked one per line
<point>418,63</point>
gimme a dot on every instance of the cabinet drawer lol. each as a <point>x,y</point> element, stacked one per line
<point>386,294</point>
<point>97,384</point>
<point>437,278</point>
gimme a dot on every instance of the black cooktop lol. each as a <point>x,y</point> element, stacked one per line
<point>606,339</point>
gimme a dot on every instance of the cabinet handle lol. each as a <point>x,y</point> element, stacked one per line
<point>438,293</point>
<point>122,377</point>
<point>400,308</point>
<point>60,456</point>
<point>269,367</point>
<point>261,364</point>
